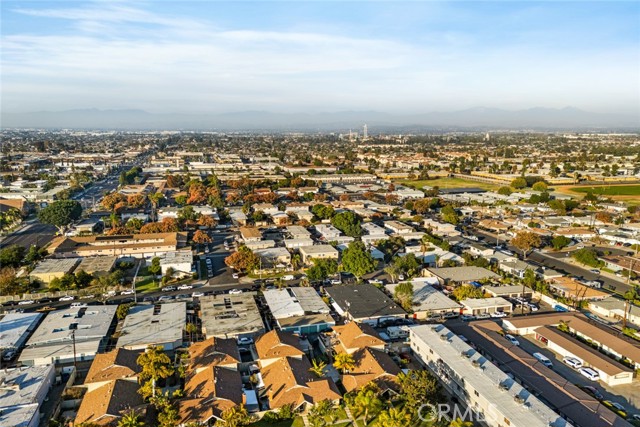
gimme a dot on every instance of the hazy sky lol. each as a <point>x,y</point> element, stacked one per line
<point>413,57</point>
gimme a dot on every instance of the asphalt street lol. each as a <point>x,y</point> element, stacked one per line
<point>31,234</point>
<point>558,264</point>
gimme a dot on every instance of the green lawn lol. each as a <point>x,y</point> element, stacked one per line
<point>448,183</point>
<point>146,284</point>
<point>610,190</point>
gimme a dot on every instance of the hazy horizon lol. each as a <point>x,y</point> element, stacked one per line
<point>409,58</point>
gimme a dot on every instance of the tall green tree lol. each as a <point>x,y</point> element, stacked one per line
<point>404,294</point>
<point>347,222</point>
<point>236,416</point>
<point>60,214</point>
<point>450,215</point>
<point>525,241</point>
<point>418,387</point>
<point>357,260</point>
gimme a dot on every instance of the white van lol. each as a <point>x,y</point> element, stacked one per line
<point>289,277</point>
<point>590,373</point>
<point>543,359</point>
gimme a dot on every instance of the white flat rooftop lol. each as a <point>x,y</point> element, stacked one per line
<point>486,378</point>
<point>14,327</point>
<point>153,325</point>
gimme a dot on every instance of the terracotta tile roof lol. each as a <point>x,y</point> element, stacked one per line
<point>116,364</point>
<point>371,365</point>
<point>278,344</point>
<point>105,405</point>
<point>214,382</point>
<point>201,410</point>
<point>289,381</point>
<point>353,336</point>
<point>214,351</point>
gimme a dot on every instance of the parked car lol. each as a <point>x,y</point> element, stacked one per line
<point>512,339</point>
<point>164,298</point>
<point>79,305</point>
<point>67,298</point>
<point>590,373</point>
<point>9,355</point>
<point>450,315</point>
<point>483,316</point>
<point>168,288</point>
<point>26,302</point>
<point>235,275</point>
<point>45,309</point>
<point>543,359</point>
<point>185,287</point>
<point>615,405</point>
<point>127,292</point>
<point>593,391</point>
<point>467,317</point>
<point>573,362</point>
<point>197,294</point>
<point>245,341</point>
<point>498,314</point>
<point>235,292</point>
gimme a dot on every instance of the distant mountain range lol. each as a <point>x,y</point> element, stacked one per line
<point>480,118</point>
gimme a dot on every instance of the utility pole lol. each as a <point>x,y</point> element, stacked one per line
<point>73,338</point>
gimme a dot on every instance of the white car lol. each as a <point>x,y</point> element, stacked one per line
<point>590,373</point>
<point>235,275</point>
<point>26,302</point>
<point>573,362</point>
<point>235,292</point>
<point>184,287</point>
<point>127,292</point>
<point>67,298</point>
<point>513,340</point>
<point>483,316</point>
<point>245,341</point>
<point>498,314</point>
<point>197,294</point>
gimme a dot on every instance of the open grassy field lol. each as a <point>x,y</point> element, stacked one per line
<point>628,193</point>
<point>448,183</point>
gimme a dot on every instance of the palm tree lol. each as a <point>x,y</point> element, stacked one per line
<point>155,365</point>
<point>344,362</point>
<point>318,367</point>
<point>191,329</point>
<point>296,261</point>
<point>155,198</point>
<point>394,417</point>
<point>367,402</point>
<point>424,245</point>
<point>459,422</point>
<point>130,419</point>
<point>235,416</point>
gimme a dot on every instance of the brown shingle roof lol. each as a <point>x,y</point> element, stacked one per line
<point>371,365</point>
<point>278,344</point>
<point>116,364</point>
<point>215,382</point>
<point>105,405</point>
<point>201,410</point>
<point>214,351</point>
<point>353,336</point>
<point>289,381</point>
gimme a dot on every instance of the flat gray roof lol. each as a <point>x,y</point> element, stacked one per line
<point>230,315</point>
<point>15,328</point>
<point>97,264</point>
<point>427,298</point>
<point>364,301</point>
<point>474,303</point>
<point>153,325</point>
<point>28,382</point>
<point>463,274</point>
<point>49,266</point>
<point>92,323</point>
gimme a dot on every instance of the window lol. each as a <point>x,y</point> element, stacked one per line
<point>476,393</point>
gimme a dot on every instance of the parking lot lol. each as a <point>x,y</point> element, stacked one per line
<point>627,395</point>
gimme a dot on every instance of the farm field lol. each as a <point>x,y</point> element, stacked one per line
<point>629,194</point>
<point>448,183</point>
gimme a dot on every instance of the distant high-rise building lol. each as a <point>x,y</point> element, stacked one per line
<point>364,132</point>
